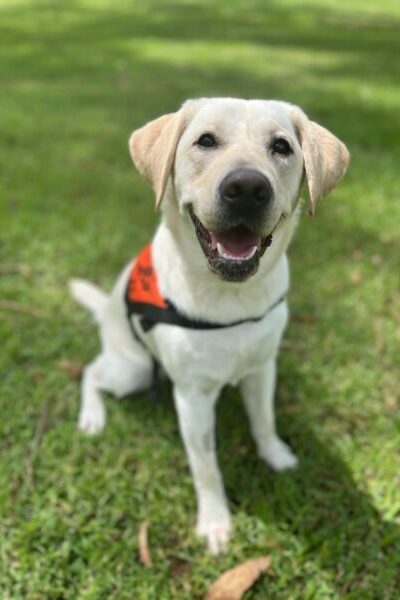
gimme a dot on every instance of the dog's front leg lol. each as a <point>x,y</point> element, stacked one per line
<point>196,416</point>
<point>258,391</point>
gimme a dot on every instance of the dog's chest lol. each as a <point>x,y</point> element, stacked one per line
<point>219,356</point>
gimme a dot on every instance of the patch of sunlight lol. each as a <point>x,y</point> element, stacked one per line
<point>251,57</point>
<point>263,61</point>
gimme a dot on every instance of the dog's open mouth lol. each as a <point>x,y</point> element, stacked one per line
<point>233,254</point>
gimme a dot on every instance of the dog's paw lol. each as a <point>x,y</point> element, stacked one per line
<point>216,532</point>
<point>278,455</point>
<point>92,421</point>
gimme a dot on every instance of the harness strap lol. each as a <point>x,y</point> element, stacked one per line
<point>152,315</point>
<point>143,299</point>
<point>155,387</point>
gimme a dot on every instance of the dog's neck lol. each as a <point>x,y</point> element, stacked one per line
<point>186,280</point>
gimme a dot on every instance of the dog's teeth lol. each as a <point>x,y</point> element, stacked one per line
<point>252,252</point>
<point>219,249</point>
<point>222,252</point>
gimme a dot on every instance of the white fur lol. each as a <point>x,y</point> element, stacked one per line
<point>200,363</point>
<point>90,296</point>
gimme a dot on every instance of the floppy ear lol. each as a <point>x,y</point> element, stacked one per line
<point>326,158</point>
<point>153,148</point>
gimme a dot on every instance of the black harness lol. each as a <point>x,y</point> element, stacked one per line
<point>143,300</point>
<point>151,315</point>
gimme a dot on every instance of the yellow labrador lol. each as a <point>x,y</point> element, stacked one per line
<point>227,175</point>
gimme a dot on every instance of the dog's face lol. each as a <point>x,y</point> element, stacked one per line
<point>237,168</point>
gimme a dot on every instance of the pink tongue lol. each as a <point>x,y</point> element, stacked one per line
<point>238,241</point>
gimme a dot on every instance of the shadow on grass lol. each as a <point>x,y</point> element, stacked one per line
<point>335,522</point>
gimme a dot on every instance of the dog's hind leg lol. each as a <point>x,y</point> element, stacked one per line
<point>114,373</point>
<point>258,391</point>
<point>92,415</point>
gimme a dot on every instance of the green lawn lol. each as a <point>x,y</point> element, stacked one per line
<point>76,78</point>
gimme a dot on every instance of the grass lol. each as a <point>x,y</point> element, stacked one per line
<point>76,79</point>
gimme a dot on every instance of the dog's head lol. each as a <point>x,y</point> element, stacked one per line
<point>236,168</point>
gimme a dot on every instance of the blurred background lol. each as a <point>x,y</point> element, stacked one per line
<point>76,78</point>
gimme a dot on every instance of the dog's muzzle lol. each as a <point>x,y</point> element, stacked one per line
<point>233,254</point>
<point>234,249</point>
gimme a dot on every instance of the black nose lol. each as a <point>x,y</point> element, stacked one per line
<point>245,191</point>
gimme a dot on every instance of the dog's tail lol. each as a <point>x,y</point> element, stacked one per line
<point>90,296</point>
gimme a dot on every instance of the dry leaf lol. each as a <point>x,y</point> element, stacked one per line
<point>143,542</point>
<point>73,368</point>
<point>232,584</point>
<point>356,277</point>
<point>391,402</point>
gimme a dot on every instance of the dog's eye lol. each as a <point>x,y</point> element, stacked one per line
<point>207,140</point>
<point>281,146</point>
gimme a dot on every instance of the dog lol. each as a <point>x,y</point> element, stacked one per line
<point>207,300</point>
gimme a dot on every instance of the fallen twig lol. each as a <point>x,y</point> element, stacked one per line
<point>143,542</point>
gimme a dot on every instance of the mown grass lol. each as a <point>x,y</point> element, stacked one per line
<point>76,79</point>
